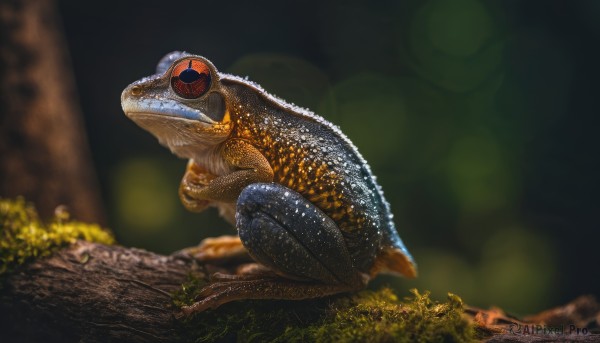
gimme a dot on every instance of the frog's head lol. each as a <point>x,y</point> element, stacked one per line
<point>183,104</point>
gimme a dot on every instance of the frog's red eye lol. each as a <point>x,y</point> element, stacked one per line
<point>190,79</point>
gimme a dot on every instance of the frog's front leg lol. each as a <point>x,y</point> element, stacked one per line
<point>294,239</point>
<point>199,188</point>
<point>248,165</point>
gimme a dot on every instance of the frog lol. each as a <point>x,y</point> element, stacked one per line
<point>310,216</point>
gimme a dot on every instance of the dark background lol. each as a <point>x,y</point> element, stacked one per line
<point>480,120</point>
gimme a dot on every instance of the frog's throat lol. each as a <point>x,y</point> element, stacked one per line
<point>184,137</point>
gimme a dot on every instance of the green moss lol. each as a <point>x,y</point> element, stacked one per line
<point>368,316</point>
<point>189,291</point>
<point>24,237</point>
<point>381,317</point>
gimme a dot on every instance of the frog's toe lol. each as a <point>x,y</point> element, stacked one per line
<point>217,250</point>
<point>287,233</point>
<point>193,205</point>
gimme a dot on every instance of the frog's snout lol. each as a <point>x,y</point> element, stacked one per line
<point>128,92</point>
<point>130,96</point>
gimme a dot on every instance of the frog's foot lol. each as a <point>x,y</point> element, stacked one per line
<point>191,204</point>
<point>301,246</point>
<point>195,177</point>
<point>219,293</point>
<point>218,250</point>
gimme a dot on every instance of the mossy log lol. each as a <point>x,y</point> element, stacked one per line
<point>66,281</point>
<point>92,292</point>
<point>96,293</point>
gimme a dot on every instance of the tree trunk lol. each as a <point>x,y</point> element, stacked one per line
<point>43,149</point>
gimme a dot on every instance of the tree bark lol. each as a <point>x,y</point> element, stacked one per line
<point>44,154</point>
<point>94,293</point>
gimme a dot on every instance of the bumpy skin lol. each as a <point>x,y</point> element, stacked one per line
<point>306,203</point>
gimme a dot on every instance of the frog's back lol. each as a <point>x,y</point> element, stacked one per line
<point>313,157</point>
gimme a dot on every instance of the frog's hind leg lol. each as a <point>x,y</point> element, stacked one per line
<point>294,238</point>
<point>301,246</point>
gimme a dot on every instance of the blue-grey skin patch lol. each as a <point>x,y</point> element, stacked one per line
<point>283,230</point>
<point>168,108</point>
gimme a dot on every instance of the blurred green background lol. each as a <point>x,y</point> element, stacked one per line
<point>479,118</point>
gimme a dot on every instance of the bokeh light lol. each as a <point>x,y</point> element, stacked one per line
<point>140,187</point>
